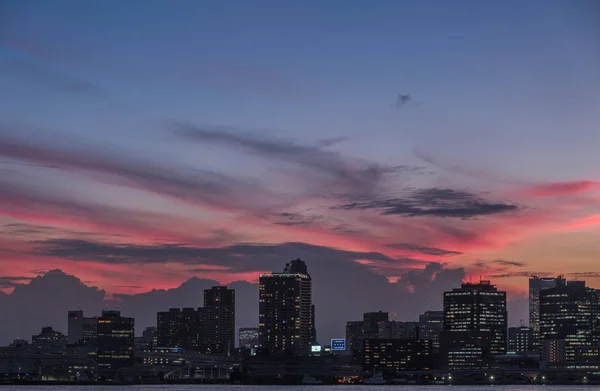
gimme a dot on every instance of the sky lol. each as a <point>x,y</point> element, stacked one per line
<point>399,147</point>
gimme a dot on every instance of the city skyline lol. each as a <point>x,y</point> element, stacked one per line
<point>395,147</point>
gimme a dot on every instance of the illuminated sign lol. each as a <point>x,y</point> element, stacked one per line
<point>338,344</point>
<point>315,348</point>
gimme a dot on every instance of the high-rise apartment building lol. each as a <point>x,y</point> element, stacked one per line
<point>285,310</point>
<point>536,286</point>
<point>474,316</point>
<point>168,328</point>
<point>520,340</point>
<point>115,343</point>
<point>219,324</point>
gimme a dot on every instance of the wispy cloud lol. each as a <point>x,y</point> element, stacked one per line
<point>55,79</point>
<point>559,189</point>
<point>236,258</point>
<point>329,170</point>
<point>433,202</point>
<point>423,249</point>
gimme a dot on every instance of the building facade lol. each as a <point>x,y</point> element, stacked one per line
<point>430,327</point>
<point>392,356</point>
<point>520,340</point>
<point>81,330</point>
<point>218,328</point>
<point>536,286</point>
<point>569,313</point>
<point>115,343</point>
<point>285,310</point>
<point>478,312</point>
<point>248,337</point>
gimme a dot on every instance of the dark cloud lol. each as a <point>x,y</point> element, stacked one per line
<point>297,218</point>
<point>498,262</point>
<point>328,170</point>
<point>433,202</point>
<point>334,295</point>
<point>12,281</point>
<point>403,100</point>
<point>423,249</point>
<point>57,80</point>
<point>236,258</point>
<point>509,263</point>
<point>519,274</point>
<point>585,274</point>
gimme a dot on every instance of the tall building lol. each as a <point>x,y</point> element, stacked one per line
<point>248,337</point>
<point>354,337</point>
<point>115,343</point>
<point>430,327</point>
<point>536,286</point>
<point>520,340</point>
<point>81,330</point>
<point>477,314</point>
<point>371,322</point>
<point>219,324</point>
<point>168,328</point>
<point>285,310</point>
<point>568,313</point>
<point>391,329</point>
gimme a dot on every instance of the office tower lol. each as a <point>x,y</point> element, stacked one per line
<point>568,316</point>
<point>475,317</point>
<point>537,285</point>
<point>219,326</point>
<point>248,337</point>
<point>115,343</point>
<point>395,355</point>
<point>520,340</point>
<point>371,323</point>
<point>168,328</point>
<point>354,335</point>
<point>398,330</point>
<point>430,327</point>
<point>285,310</point>
<point>313,337</point>
<point>81,330</point>
<point>49,338</point>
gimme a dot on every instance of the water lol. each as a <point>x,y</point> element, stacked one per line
<point>208,387</point>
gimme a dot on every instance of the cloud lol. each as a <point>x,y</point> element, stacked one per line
<point>433,202</point>
<point>12,281</point>
<point>509,263</point>
<point>234,258</point>
<point>57,80</point>
<point>562,189</point>
<point>328,170</point>
<point>334,294</point>
<point>527,274</point>
<point>423,249</point>
<point>585,274</point>
<point>194,186</point>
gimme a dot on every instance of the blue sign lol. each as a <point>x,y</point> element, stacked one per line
<point>338,344</point>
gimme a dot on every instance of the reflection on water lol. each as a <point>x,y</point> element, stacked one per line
<point>300,388</point>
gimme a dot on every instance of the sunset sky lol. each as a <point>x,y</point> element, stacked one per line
<point>143,143</point>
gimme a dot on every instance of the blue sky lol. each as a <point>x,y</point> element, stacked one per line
<point>214,123</point>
